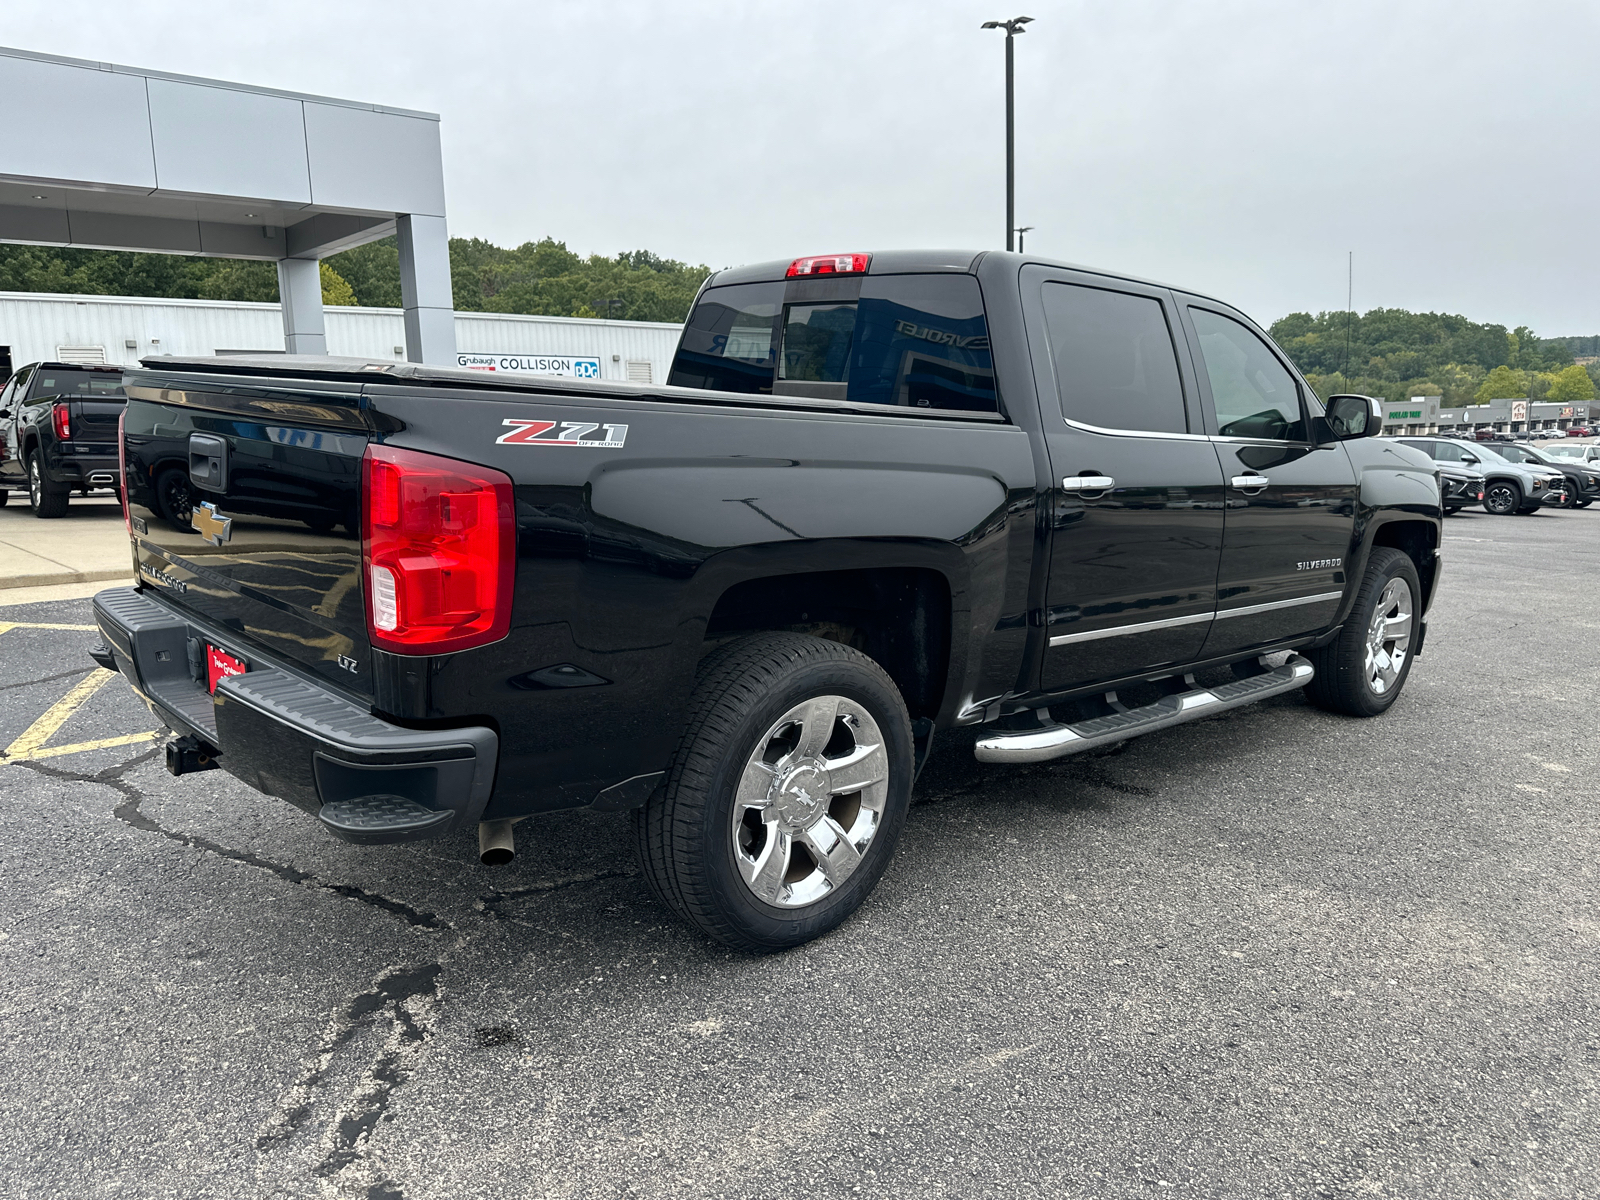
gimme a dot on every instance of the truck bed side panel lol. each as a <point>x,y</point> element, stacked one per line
<point>625,546</point>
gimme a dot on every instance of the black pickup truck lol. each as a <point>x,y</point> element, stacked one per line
<point>881,496</point>
<point>58,433</point>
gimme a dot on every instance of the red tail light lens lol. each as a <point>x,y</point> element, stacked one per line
<point>829,264</point>
<point>63,420</point>
<point>438,544</point>
<point>122,468</point>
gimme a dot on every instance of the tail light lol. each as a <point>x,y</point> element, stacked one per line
<point>63,421</point>
<point>438,544</point>
<point>122,468</point>
<point>829,264</point>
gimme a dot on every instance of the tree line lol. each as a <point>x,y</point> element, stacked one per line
<point>543,278</point>
<point>1387,352</point>
<point>1395,354</point>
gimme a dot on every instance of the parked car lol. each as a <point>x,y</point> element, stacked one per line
<point>1587,452</point>
<point>1460,486</point>
<point>1508,487</point>
<point>882,496</point>
<point>1580,431</point>
<point>58,433</point>
<point>1580,483</point>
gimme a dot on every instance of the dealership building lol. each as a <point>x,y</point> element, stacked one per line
<point>37,326</point>
<point>1425,414</point>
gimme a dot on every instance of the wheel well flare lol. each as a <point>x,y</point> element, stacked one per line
<point>897,616</point>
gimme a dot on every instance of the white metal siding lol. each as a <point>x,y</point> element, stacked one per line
<point>36,324</point>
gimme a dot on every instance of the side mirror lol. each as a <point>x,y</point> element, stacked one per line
<point>1471,460</point>
<point>1353,417</point>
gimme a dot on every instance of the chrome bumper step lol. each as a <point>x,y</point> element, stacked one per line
<point>1056,741</point>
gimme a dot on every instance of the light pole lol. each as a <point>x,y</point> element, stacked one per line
<point>1012,27</point>
<point>1022,229</point>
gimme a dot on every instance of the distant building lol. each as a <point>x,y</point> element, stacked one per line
<point>1425,415</point>
<point>40,326</point>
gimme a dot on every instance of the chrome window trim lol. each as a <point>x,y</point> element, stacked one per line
<point>1248,609</point>
<point>1140,433</point>
<point>1218,437</point>
<point>1093,635</point>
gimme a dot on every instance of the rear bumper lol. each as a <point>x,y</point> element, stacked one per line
<point>366,779</point>
<point>83,470</point>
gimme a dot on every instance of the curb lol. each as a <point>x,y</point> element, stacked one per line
<point>31,581</point>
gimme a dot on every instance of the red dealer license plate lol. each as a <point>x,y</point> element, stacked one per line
<point>219,665</point>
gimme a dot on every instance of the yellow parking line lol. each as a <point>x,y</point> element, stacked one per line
<point>42,730</point>
<point>31,745</point>
<point>9,625</point>
<point>130,739</point>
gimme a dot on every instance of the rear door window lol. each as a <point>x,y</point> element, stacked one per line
<point>1253,393</point>
<point>1115,363</point>
<point>906,341</point>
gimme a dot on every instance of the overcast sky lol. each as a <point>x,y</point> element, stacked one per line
<point>1239,147</point>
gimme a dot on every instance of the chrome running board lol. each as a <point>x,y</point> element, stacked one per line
<point>1054,741</point>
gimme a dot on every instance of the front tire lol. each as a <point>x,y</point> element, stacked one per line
<point>1502,497</point>
<point>786,796</point>
<point>1360,673</point>
<point>47,502</point>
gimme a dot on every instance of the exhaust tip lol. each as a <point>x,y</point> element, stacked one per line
<point>497,845</point>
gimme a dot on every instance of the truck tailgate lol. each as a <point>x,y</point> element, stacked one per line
<point>245,504</point>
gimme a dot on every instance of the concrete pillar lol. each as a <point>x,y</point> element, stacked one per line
<point>300,292</point>
<point>425,290</point>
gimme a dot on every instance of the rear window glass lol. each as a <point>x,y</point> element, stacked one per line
<point>84,385</point>
<point>909,341</point>
<point>816,342</point>
<point>730,343</point>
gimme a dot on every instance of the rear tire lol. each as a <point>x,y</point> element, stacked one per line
<point>1360,673</point>
<point>47,502</point>
<point>792,741</point>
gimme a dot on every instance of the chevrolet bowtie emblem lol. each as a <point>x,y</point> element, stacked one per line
<point>211,524</point>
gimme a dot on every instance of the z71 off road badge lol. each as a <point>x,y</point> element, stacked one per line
<point>211,524</point>
<point>528,432</point>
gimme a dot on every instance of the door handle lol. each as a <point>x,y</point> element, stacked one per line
<point>1250,483</point>
<point>1088,483</point>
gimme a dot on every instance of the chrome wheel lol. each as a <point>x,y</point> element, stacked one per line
<point>35,483</point>
<point>810,801</point>
<point>1388,637</point>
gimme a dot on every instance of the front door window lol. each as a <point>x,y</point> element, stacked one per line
<point>1254,394</point>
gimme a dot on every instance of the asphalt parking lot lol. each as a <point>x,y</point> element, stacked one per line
<point>1276,953</point>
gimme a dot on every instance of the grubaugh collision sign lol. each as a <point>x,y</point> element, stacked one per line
<point>533,364</point>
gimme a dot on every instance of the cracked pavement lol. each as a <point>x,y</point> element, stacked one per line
<point>1273,953</point>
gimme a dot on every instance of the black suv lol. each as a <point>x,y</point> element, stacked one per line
<point>58,433</point>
